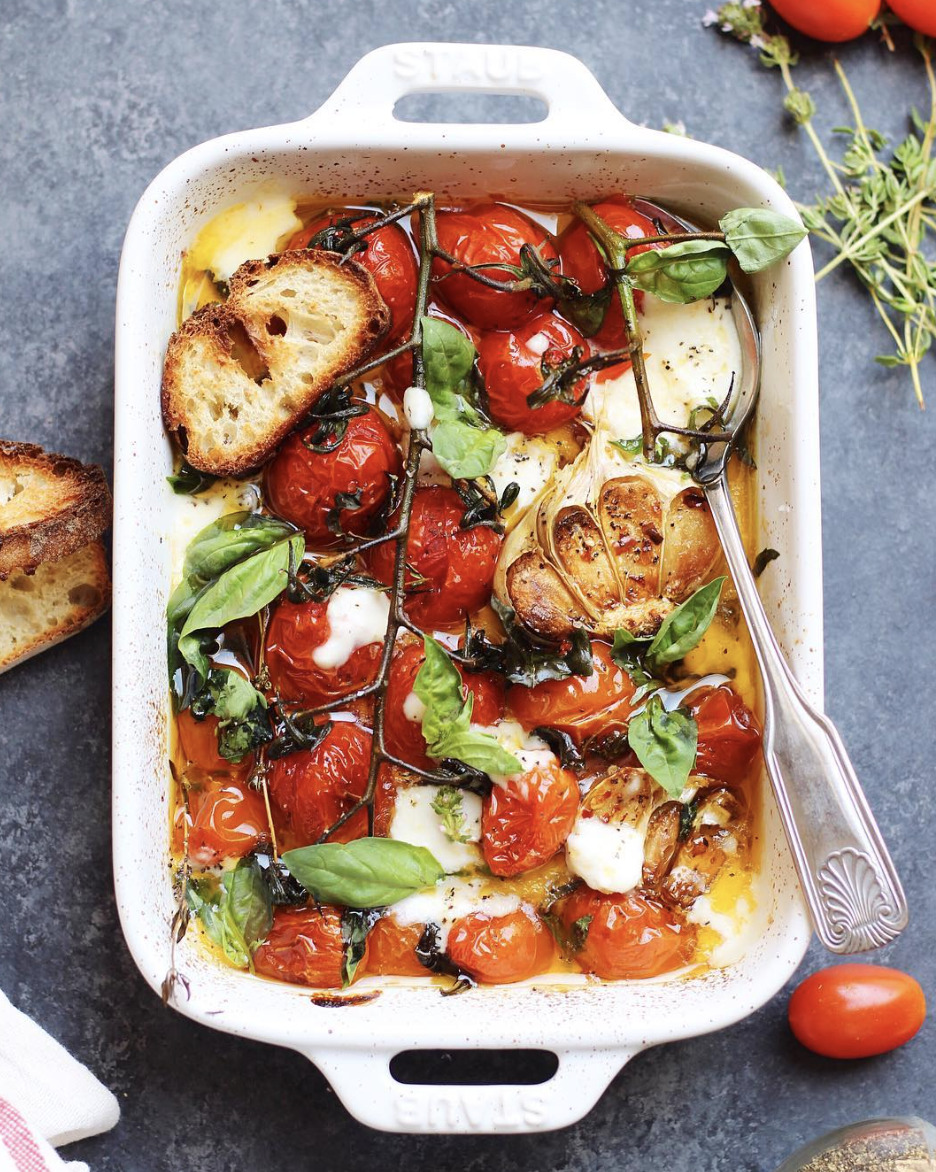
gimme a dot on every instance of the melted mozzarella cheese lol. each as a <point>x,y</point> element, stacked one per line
<point>417,407</point>
<point>246,231</point>
<point>528,461</point>
<point>190,514</point>
<point>530,751</point>
<point>731,917</point>
<point>607,855</point>
<point>414,821</point>
<point>356,617</point>
<point>413,708</point>
<point>451,900</point>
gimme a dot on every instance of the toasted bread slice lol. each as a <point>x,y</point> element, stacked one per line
<point>238,376</point>
<point>49,506</point>
<point>58,599</point>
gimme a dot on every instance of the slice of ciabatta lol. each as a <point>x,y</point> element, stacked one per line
<point>239,375</point>
<point>57,600</point>
<point>50,506</point>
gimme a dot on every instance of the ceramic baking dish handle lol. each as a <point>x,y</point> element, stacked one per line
<point>365,99</point>
<point>363,1082</point>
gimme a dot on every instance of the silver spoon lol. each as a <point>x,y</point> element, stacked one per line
<point>850,883</point>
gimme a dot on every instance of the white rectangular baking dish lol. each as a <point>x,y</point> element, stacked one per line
<point>354,147</point>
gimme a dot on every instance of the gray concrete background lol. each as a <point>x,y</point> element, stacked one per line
<point>95,98</point>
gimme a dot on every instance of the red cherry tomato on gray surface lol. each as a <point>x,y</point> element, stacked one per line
<point>832,20</point>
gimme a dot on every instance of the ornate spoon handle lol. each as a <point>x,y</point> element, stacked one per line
<point>849,881</point>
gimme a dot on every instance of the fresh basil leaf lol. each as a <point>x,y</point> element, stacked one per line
<point>238,593</point>
<point>683,272</point>
<point>665,744</point>
<point>237,914</point>
<point>365,873</point>
<point>477,750</point>
<point>466,451</point>
<point>448,805</point>
<point>448,357</point>
<point>759,237</point>
<point>355,928</point>
<point>683,628</point>
<point>630,447</point>
<point>227,540</point>
<point>188,481</point>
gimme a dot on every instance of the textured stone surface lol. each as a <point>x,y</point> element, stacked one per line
<point>95,98</point>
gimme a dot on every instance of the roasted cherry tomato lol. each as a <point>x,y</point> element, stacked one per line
<point>304,947</point>
<point>488,234</point>
<point>391,949</point>
<point>582,261</point>
<point>455,566</point>
<point>303,485</point>
<point>499,950</point>
<point>311,789</point>
<point>856,1010</point>
<point>389,256</point>
<point>918,14</point>
<point>579,705</point>
<point>625,937</point>
<point>228,823</point>
<point>198,744</point>
<point>402,721</point>
<point>528,818</point>
<point>296,632</point>
<point>835,20</point>
<point>514,363</point>
<point>729,735</point>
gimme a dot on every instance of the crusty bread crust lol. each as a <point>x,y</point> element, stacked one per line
<point>204,372</point>
<point>50,505</point>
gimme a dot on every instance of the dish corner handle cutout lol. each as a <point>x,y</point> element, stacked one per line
<point>363,1082</point>
<point>368,94</point>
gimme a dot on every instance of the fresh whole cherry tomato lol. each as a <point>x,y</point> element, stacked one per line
<point>303,485</point>
<point>198,744</point>
<point>918,14</point>
<point>311,789</point>
<point>515,363</point>
<point>625,937</point>
<point>391,949</point>
<point>295,633</point>
<point>228,823</point>
<point>403,736</point>
<point>856,1010</point>
<point>729,735</point>
<point>581,260</point>
<point>488,234</point>
<point>390,259</point>
<point>499,950</point>
<point>581,706</point>
<point>304,947</point>
<point>832,20</point>
<point>526,820</point>
<point>457,564</point>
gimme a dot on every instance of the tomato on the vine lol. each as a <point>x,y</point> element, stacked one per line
<point>625,937</point>
<point>304,947</point>
<point>311,789</point>
<point>488,234</point>
<point>856,1010</point>
<point>525,820</point>
<point>391,949</point>
<point>918,14</point>
<point>228,822</point>
<point>833,20</point>
<point>499,950</point>
<point>402,718</point>
<point>454,566</point>
<point>296,632</point>
<point>729,735</point>
<point>389,256</point>
<point>303,485</point>
<point>515,363</point>
<point>581,706</point>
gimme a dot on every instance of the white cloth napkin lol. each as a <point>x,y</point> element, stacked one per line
<point>46,1098</point>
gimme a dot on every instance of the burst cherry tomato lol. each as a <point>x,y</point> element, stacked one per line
<point>311,789</point>
<point>403,734</point>
<point>295,634</point>
<point>390,258</point>
<point>918,14</point>
<point>303,485</point>
<point>228,823</point>
<point>528,818</point>
<point>391,949</point>
<point>729,735</point>
<point>457,564</point>
<point>304,947</point>
<point>198,744</point>
<point>499,950</point>
<point>488,234</point>
<point>579,705</point>
<point>856,1010</point>
<point>582,261</point>
<point>625,937</point>
<point>834,20</point>
<point>515,363</point>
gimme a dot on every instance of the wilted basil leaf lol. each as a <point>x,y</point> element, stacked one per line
<point>188,481</point>
<point>238,914</point>
<point>759,237</point>
<point>683,628</point>
<point>665,744</point>
<point>686,271</point>
<point>355,927</point>
<point>628,652</point>
<point>240,709</point>
<point>522,658</point>
<point>365,873</point>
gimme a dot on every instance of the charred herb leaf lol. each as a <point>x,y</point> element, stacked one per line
<point>237,913</point>
<point>330,416</point>
<point>188,481</point>
<point>365,873</point>
<point>683,272</point>
<point>569,754</point>
<point>665,744</point>
<point>431,956</point>
<point>356,924</point>
<point>244,723</point>
<point>523,659</point>
<point>348,502</point>
<point>763,560</point>
<point>284,890</point>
